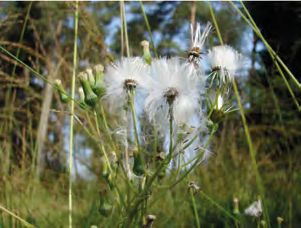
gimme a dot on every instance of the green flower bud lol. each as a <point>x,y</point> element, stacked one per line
<point>217,116</point>
<point>138,164</point>
<point>90,97</point>
<point>63,97</point>
<point>279,221</point>
<point>236,209</point>
<point>149,221</point>
<point>146,54</point>
<point>91,78</point>
<point>263,224</point>
<point>212,126</point>
<point>98,88</point>
<point>105,208</point>
<point>82,102</point>
<point>114,161</point>
<point>107,174</point>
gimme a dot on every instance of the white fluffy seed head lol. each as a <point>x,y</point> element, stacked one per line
<point>171,83</point>
<point>122,75</point>
<point>255,209</point>
<point>198,37</point>
<point>227,60</point>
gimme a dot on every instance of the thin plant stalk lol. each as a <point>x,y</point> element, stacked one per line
<point>268,46</point>
<point>72,111</point>
<point>273,54</point>
<point>194,208</point>
<point>248,136</point>
<point>121,29</point>
<point>18,52</point>
<point>134,121</point>
<point>39,75</point>
<point>16,217</point>
<point>125,29</point>
<point>148,28</point>
<point>170,132</point>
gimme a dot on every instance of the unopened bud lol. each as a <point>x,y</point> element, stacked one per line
<point>263,224</point>
<point>149,221</point>
<point>98,88</point>
<point>90,97</point>
<point>91,78</point>
<point>138,164</point>
<point>279,221</point>
<point>107,174</point>
<point>236,209</point>
<point>212,126</point>
<point>82,102</point>
<point>192,185</point>
<point>114,160</point>
<point>63,97</point>
<point>217,116</point>
<point>146,54</point>
<point>105,208</point>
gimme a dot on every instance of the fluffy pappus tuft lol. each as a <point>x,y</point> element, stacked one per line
<point>124,75</point>
<point>171,85</point>
<point>226,61</point>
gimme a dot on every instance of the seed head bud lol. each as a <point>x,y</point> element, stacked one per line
<point>146,53</point>
<point>91,78</point>
<point>217,116</point>
<point>114,161</point>
<point>149,221</point>
<point>279,221</point>
<point>82,102</point>
<point>98,88</point>
<point>138,164</point>
<point>236,209</point>
<point>211,126</point>
<point>105,208</point>
<point>263,224</point>
<point>63,97</point>
<point>90,96</point>
<point>192,185</point>
<point>107,174</point>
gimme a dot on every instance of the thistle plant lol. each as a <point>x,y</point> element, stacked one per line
<point>183,105</point>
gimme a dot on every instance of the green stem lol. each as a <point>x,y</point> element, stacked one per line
<point>272,53</point>
<point>194,208</point>
<point>125,29</point>
<point>18,51</point>
<point>170,133</point>
<point>248,136</point>
<point>16,217</point>
<point>194,164</point>
<point>148,28</point>
<point>39,75</point>
<point>218,206</point>
<point>72,111</point>
<point>131,94</point>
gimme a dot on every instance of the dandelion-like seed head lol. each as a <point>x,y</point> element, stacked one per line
<point>130,84</point>
<point>198,39</point>
<point>171,94</point>
<point>173,83</point>
<point>226,61</point>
